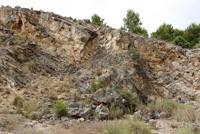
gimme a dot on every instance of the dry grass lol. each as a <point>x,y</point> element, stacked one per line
<point>187,130</point>
<point>11,123</point>
<point>31,106</point>
<point>111,127</point>
<point>27,130</point>
<point>87,128</point>
<point>162,105</point>
<point>52,94</point>
<point>186,113</point>
<point>126,127</point>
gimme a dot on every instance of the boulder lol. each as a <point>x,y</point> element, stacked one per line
<point>101,112</point>
<point>77,110</point>
<point>107,96</point>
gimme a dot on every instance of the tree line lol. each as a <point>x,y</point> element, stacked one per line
<point>188,38</point>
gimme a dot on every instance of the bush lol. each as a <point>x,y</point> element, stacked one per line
<point>131,98</point>
<point>59,109</point>
<point>163,105</point>
<point>187,130</point>
<point>112,128</point>
<point>11,123</point>
<point>97,20</point>
<point>185,113</point>
<point>86,21</point>
<point>52,94</point>
<point>18,101</point>
<point>34,115</point>
<point>114,112</point>
<point>100,84</point>
<point>126,127</point>
<point>137,127</point>
<point>31,106</point>
<point>179,40</point>
<point>197,46</point>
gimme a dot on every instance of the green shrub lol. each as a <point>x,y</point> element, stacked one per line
<point>134,54</point>
<point>86,21</point>
<point>131,98</point>
<point>86,101</point>
<point>179,40</point>
<point>59,109</point>
<point>100,84</point>
<point>196,46</point>
<point>21,57</point>
<point>187,130</point>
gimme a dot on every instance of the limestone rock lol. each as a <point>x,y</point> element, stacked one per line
<point>107,96</point>
<point>101,112</point>
<point>77,110</point>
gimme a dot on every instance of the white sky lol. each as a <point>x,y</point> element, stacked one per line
<point>153,13</point>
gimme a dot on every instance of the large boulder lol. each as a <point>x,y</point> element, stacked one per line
<point>107,96</point>
<point>77,110</point>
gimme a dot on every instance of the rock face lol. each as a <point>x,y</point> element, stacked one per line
<point>46,43</point>
<point>77,110</point>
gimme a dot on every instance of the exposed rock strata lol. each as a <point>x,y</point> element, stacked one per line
<point>126,61</point>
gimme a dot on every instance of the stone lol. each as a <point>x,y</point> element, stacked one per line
<point>138,114</point>
<point>81,119</point>
<point>107,96</point>
<point>77,110</point>
<point>101,112</point>
<point>152,123</point>
<point>64,118</point>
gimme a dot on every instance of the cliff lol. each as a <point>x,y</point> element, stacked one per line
<point>43,50</point>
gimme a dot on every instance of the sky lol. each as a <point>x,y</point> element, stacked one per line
<point>153,13</point>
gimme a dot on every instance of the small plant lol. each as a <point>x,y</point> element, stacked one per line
<point>100,84</point>
<point>137,127</point>
<point>29,66</point>
<point>134,54</point>
<point>196,46</point>
<point>11,123</point>
<point>31,106</point>
<point>114,112</point>
<point>33,115</point>
<point>112,128</point>
<point>43,72</point>
<point>59,109</point>
<point>52,94</point>
<point>21,57</point>
<point>86,101</point>
<point>187,130</point>
<point>18,101</point>
<point>75,95</point>
<point>131,98</point>
<point>15,42</point>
